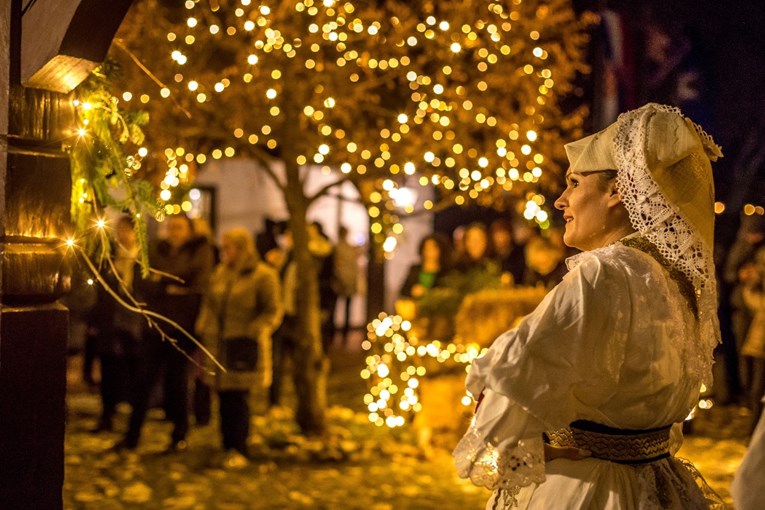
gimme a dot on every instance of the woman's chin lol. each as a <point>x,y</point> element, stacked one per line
<point>568,239</point>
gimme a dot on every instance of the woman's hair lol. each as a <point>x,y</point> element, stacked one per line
<point>501,224</point>
<point>242,239</point>
<point>185,217</point>
<point>443,248</point>
<point>606,176</point>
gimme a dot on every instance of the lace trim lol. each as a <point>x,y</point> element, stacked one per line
<point>676,483</point>
<point>505,498</point>
<point>712,499</point>
<point>661,224</point>
<point>487,466</point>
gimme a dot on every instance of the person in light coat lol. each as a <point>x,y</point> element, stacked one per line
<point>240,310</point>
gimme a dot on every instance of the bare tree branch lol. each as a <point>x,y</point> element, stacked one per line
<point>121,45</point>
<point>347,199</point>
<point>151,317</point>
<point>265,161</point>
<point>325,189</point>
<point>270,172</point>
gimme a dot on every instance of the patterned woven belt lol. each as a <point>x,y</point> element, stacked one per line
<point>616,445</point>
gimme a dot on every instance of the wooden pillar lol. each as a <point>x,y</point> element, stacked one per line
<point>52,45</point>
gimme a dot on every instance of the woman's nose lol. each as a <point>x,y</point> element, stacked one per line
<point>561,202</point>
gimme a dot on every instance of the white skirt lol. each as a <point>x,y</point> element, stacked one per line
<point>593,484</point>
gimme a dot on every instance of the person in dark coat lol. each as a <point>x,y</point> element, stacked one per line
<point>324,257</point>
<point>504,251</point>
<point>476,257</point>
<point>265,241</point>
<point>433,265</point>
<point>183,263</point>
<point>116,330</point>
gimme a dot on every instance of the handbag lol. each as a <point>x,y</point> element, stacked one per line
<point>240,354</point>
<point>754,345</point>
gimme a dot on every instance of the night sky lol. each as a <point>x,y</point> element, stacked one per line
<point>728,41</point>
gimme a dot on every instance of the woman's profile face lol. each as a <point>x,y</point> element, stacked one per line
<point>230,252</point>
<point>178,231</point>
<point>585,208</point>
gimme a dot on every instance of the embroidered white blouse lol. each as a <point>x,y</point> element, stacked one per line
<point>614,343</point>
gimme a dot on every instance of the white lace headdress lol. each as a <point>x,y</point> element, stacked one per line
<point>664,177</point>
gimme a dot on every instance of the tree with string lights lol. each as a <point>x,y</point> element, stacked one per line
<point>460,95</point>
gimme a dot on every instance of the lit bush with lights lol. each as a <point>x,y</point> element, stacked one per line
<point>398,360</point>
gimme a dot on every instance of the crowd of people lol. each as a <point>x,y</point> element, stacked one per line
<point>523,258</point>
<point>742,312</point>
<point>237,299</point>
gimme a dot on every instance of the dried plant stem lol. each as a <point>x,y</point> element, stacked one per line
<point>151,317</point>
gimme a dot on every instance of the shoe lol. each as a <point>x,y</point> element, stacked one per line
<point>124,445</point>
<point>104,425</point>
<point>234,461</point>
<point>177,446</point>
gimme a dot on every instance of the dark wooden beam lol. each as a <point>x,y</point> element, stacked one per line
<point>75,40</point>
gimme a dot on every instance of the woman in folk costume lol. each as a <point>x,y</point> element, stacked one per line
<point>577,404</point>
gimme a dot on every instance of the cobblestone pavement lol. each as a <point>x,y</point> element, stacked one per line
<point>359,467</point>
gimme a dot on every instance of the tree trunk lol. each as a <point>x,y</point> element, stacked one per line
<point>311,365</point>
<point>375,279</point>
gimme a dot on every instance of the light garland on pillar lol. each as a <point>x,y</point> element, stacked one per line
<point>106,154</point>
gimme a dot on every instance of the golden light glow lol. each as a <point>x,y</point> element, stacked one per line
<point>453,128</point>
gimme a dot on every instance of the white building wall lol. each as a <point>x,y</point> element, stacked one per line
<point>246,196</point>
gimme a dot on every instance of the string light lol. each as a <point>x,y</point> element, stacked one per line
<point>451,104</point>
<point>398,361</point>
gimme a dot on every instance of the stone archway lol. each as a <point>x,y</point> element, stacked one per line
<point>47,47</point>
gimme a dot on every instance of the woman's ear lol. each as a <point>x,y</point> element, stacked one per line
<point>614,197</point>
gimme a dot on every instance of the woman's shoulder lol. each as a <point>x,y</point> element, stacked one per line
<point>263,270</point>
<point>616,260</point>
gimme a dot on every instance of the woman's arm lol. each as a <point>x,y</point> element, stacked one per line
<point>563,357</point>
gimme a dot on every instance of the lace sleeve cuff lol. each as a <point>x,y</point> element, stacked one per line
<point>503,467</point>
